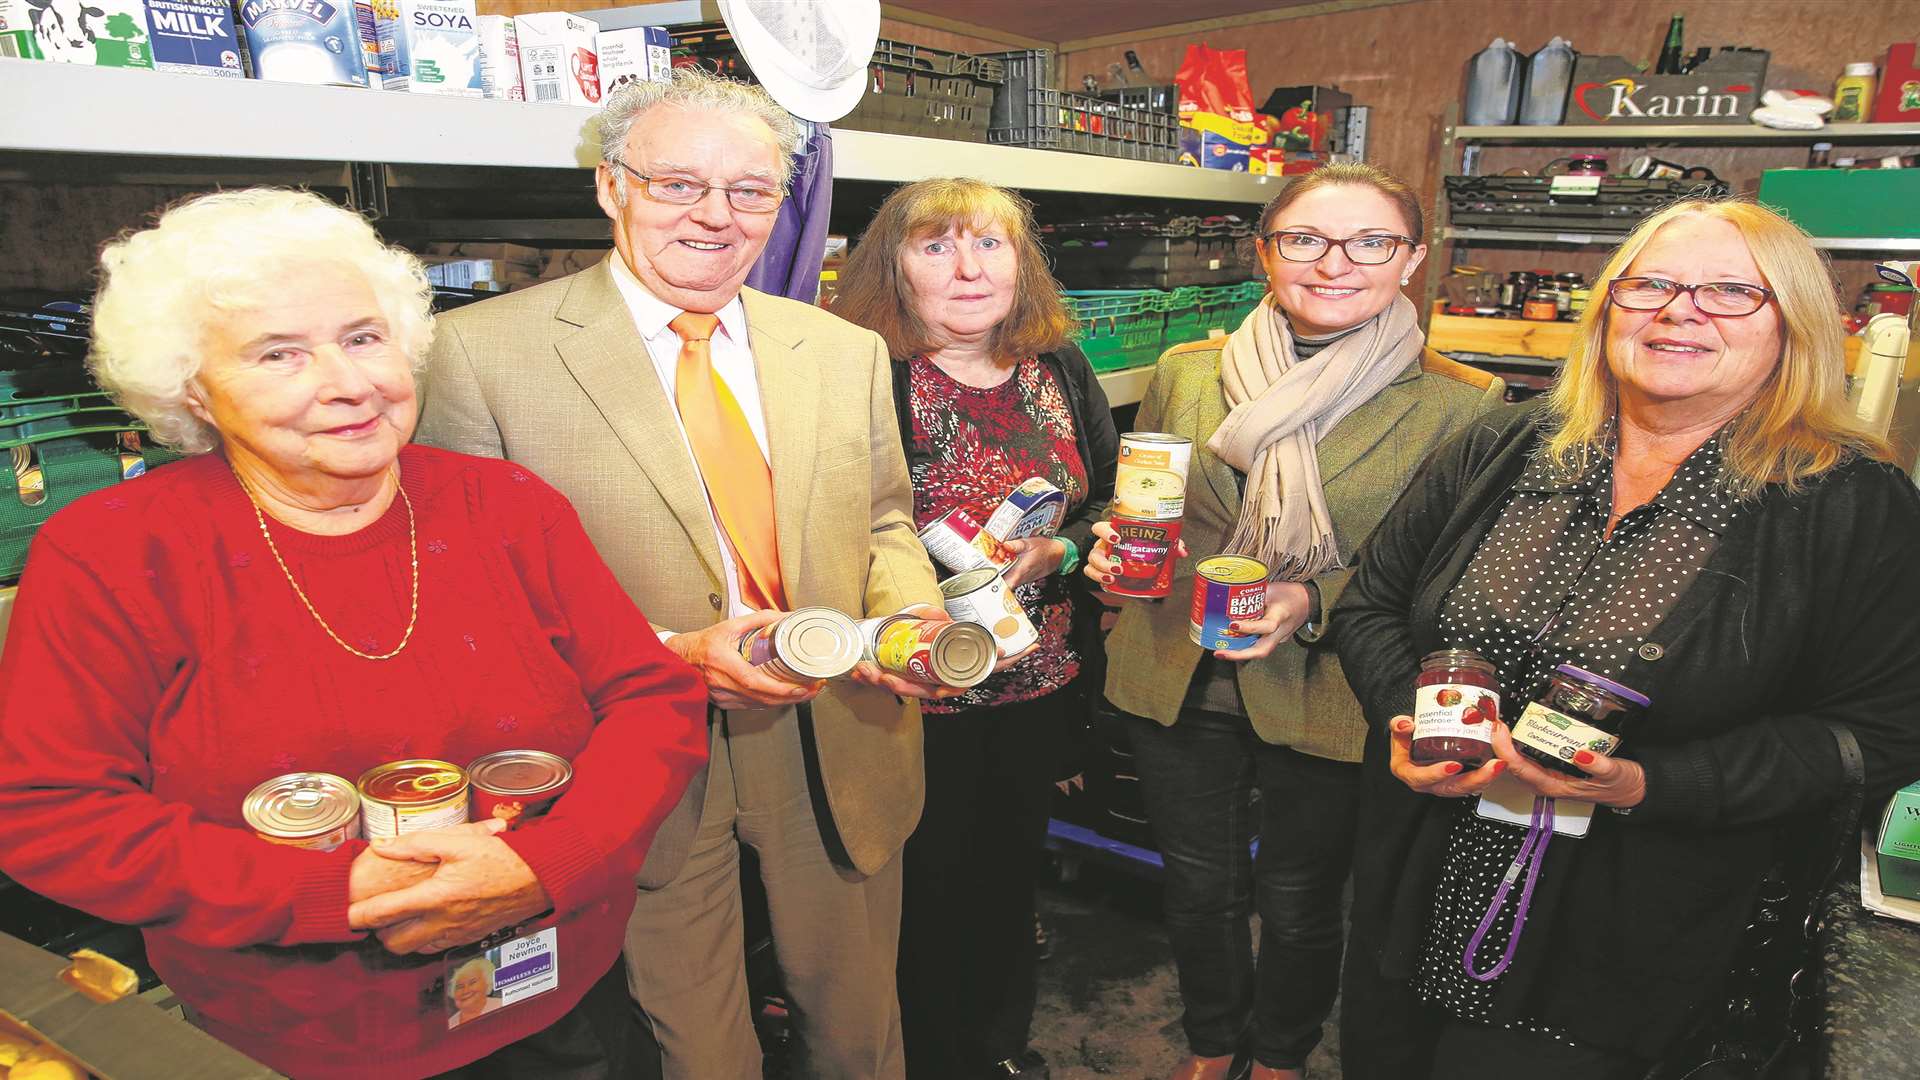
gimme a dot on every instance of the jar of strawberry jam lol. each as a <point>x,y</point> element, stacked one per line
<point>1579,711</point>
<point>1456,699</point>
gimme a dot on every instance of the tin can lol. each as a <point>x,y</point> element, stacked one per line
<point>1143,550</point>
<point>807,645</point>
<point>1032,509</point>
<point>944,653</point>
<point>984,597</point>
<point>1151,482</point>
<point>412,795</point>
<point>513,785</point>
<point>314,810</point>
<point>961,544</point>
<point>871,631</point>
<point>1226,588</point>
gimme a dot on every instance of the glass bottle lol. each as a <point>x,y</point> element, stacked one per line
<point>1456,699</point>
<point>1579,711</point>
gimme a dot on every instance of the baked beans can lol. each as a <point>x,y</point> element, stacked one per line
<point>1142,550</point>
<point>514,785</point>
<point>958,654</point>
<point>1032,509</point>
<point>984,597</point>
<point>1151,481</point>
<point>1226,589</point>
<point>412,795</point>
<point>962,544</point>
<point>313,810</point>
<point>806,645</point>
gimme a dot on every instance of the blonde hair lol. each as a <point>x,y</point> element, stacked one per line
<point>161,287</point>
<point>1798,425</point>
<point>874,291</point>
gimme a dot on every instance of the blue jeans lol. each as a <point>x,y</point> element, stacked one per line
<point>1198,777</point>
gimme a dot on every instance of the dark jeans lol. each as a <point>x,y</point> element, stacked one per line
<point>598,1039</point>
<point>1198,777</point>
<point>966,967</point>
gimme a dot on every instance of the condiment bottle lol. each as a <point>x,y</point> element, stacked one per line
<point>1543,305</point>
<point>1456,699</point>
<point>1579,711</point>
<point>1853,94</point>
<point>1817,155</point>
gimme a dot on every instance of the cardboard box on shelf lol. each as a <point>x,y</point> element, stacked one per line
<point>636,54</point>
<point>99,33</point>
<point>559,58</point>
<point>195,37</point>
<point>1722,90</point>
<point>500,58</point>
<point>1211,141</point>
<point>1898,100</point>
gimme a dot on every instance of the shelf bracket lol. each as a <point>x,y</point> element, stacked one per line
<point>367,189</point>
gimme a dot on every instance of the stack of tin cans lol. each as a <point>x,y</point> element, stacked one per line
<point>1149,501</point>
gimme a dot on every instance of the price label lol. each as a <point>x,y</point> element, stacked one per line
<point>1574,187</point>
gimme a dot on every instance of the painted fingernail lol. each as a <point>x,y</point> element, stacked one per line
<point>1499,767</point>
<point>1584,757</point>
<point>1452,767</point>
<point>1108,578</point>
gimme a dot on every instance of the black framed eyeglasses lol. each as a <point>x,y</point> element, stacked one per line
<point>1722,299</point>
<point>1371,249</point>
<point>685,191</point>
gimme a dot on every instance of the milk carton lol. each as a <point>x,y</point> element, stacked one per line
<point>638,54</point>
<point>100,33</point>
<point>366,23</point>
<point>500,58</point>
<point>304,41</point>
<point>194,37</point>
<point>435,49</point>
<point>559,58</point>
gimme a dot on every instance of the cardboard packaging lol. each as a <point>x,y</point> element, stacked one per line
<point>195,37</point>
<point>1897,851</point>
<point>432,47</point>
<point>500,59</point>
<point>1898,101</point>
<point>1723,90</point>
<point>1211,141</point>
<point>638,54</point>
<point>99,33</point>
<point>559,58</point>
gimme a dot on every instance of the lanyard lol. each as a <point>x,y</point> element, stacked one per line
<point>1533,850</point>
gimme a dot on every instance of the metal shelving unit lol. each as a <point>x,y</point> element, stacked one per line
<point>1888,244</point>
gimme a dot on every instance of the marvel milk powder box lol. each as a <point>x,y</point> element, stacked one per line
<point>638,54</point>
<point>559,58</point>
<point>500,58</point>
<point>194,37</point>
<point>304,41</point>
<point>432,47</point>
<point>99,33</point>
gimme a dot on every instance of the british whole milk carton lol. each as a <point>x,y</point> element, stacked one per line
<point>636,54</point>
<point>99,33</point>
<point>559,58</point>
<point>500,58</point>
<point>435,49</point>
<point>195,37</point>
<point>304,41</point>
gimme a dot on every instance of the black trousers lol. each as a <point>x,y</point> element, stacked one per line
<point>598,1039</point>
<point>966,965</point>
<point>1198,777</point>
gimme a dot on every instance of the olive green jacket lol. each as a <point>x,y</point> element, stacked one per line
<point>1296,697</point>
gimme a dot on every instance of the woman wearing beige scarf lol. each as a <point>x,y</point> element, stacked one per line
<point>1307,421</point>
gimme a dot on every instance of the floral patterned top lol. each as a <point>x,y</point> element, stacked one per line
<point>974,445</point>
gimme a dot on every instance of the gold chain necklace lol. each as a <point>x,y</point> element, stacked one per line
<point>413,554</point>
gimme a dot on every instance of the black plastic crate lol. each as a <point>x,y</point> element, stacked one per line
<point>1523,202</point>
<point>1029,111</point>
<point>1164,97</point>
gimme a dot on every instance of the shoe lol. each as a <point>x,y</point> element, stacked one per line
<point>1235,1067</point>
<point>1268,1072</point>
<point>1029,1065</point>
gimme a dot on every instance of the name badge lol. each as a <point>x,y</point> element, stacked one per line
<point>482,980</point>
<point>1508,800</point>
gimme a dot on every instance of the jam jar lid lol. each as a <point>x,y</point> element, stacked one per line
<point>1626,693</point>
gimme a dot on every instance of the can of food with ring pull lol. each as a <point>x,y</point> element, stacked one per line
<point>514,785</point>
<point>1151,481</point>
<point>1142,550</point>
<point>958,654</point>
<point>314,810</point>
<point>1226,589</point>
<point>984,597</point>
<point>807,645</point>
<point>1032,509</point>
<point>410,796</point>
<point>961,544</point>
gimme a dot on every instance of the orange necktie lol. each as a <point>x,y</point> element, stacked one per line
<point>738,481</point>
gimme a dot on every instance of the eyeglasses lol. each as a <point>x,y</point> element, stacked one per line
<point>685,191</point>
<point>1305,247</point>
<point>1725,299</point>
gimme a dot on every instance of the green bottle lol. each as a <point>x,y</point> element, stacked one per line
<point>1672,52</point>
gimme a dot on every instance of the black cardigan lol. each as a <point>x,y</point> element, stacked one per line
<point>1809,610</point>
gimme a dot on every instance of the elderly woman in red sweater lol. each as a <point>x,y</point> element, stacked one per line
<point>309,593</point>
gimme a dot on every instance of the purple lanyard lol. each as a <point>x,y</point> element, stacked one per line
<point>1534,849</point>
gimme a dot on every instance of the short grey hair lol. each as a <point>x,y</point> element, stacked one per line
<point>692,88</point>
<point>162,288</point>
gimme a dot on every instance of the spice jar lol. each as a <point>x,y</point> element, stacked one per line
<point>1579,711</point>
<point>1456,699</point>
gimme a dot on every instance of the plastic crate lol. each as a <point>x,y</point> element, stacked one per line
<point>1120,328</point>
<point>1030,111</point>
<point>1194,312</point>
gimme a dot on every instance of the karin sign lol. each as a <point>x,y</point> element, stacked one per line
<point>1723,90</point>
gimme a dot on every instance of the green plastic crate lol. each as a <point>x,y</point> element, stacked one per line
<point>1846,202</point>
<point>1120,328</point>
<point>1195,311</point>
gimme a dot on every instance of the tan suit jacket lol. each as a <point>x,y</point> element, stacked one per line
<point>557,376</point>
<point>1298,695</point>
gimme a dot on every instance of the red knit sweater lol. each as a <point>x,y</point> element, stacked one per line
<point>159,666</point>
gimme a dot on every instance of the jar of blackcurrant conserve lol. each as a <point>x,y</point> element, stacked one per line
<point>1456,699</point>
<point>1579,711</point>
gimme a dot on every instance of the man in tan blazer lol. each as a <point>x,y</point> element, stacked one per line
<point>579,378</point>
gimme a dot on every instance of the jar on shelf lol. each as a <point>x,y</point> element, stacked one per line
<point>1519,285</point>
<point>1579,711</point>
<point>1456,699</point>
<point>1542,305</point>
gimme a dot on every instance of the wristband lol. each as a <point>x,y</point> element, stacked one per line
<point>1070,558</point>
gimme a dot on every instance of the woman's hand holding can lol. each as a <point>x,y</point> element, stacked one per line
<point>1288,605</point>
<point>1102,568</point>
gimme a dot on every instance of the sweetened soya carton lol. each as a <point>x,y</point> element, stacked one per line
<point>1898,852</point>
<point>559,58</point>
<point>435,48</point>
<point>304,41</point>
<point>100,33</point>
<point>500,58</point>
<point>637,54</point>
<point>195,37</point>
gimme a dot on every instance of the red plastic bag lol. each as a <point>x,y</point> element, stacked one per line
<point>1215,81</point>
